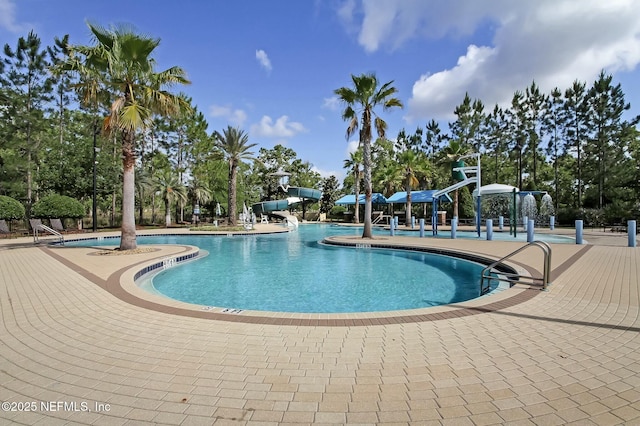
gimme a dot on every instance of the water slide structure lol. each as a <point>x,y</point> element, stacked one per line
<point>459,173</point>
<point>296,196</point>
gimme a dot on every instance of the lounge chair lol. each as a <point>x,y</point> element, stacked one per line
<point>36,224</point>
<point>56,224</point>
<point>4,229</point>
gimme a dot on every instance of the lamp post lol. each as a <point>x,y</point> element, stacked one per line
<point>94,211</point>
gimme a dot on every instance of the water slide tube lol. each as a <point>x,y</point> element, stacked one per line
<point>296,196</point>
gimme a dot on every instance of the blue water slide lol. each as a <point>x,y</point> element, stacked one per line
<point>296,194</point>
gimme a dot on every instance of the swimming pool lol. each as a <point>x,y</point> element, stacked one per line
<point>293,272</point>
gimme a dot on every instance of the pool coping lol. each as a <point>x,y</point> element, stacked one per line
<point>122,284</point>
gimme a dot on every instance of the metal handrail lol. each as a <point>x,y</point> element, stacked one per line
<point>49,230</point>
<point>505,276</point>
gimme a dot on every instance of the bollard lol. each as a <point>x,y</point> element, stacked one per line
<point>531,224</point>
<point>552,222</point>
<point>413,222</point>
<point>392,224</point>
<point>579,225</point>
<point>525,220</point>
<point>489,229</point>
<point>500,222</point>
<point>422,228</point>
<point>631,229</point>
<point>454,227</point>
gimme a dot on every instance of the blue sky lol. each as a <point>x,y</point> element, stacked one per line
<point>271,67</point>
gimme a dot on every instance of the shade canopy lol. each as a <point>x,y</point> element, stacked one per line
<point>495,188</point>
<point>349,200</point>
<point>425,196</point>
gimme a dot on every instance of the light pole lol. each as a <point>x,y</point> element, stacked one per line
<point>94,211</point>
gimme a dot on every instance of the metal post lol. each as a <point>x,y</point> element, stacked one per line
<point>489,229</point>
<point>631,230</point>
<point>421,227</point>
<point>579,225</point>
<point>454,227</point>
<point>530,227</point>
<point>500,222</point>
<point>94,207</point>
<point>552,222</point>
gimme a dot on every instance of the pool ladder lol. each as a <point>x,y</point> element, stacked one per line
<point>45,228</point>
<point>486,277</point>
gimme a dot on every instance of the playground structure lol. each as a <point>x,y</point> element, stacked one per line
<point>280,208</point>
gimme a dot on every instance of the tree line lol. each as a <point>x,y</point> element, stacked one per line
<point>579,144</point>
<point>65,108</point>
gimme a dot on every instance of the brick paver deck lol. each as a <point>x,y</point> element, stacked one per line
<point>569,355</point>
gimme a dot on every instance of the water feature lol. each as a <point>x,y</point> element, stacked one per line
<point>546,209</point>
<point>529,207</point>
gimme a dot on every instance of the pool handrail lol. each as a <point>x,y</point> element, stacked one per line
<point>505,276</point>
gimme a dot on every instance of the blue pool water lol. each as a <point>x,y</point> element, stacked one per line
<point>292,272</point>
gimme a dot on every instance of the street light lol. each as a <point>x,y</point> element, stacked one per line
<point>94,211</point>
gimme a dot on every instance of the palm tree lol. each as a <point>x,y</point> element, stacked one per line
<point>119,67</point>
<point>360,101</point>
<point>454,151</point>
<point>409,162</point>
<point>171,190</point>
<point>353,163</point>
<point>233,142</point>
<point>144,184</point>
<point>389,178</point>
<point>199,192</point>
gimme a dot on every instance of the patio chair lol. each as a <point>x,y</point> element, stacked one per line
<point>4,228</point>
<point>36,224</point>
<point>56,224</point>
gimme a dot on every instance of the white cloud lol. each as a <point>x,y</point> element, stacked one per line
<point>392,22</point>
<point>236,117</point>
<point>263,59</point>
<point>550,41</point>
<point>8,18</point>
<point>332,103</point>
<point>346,12</point>
<point>281,128</point>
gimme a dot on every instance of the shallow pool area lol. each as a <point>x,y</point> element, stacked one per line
<point>293,272</point>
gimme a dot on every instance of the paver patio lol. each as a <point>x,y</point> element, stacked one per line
<point>569,355</point>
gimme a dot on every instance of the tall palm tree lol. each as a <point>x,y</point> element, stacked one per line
<point>353,163</point>
<point>171,190</point>
<point>119,67</point>
<point>234,143</point>
<point>361,101</point>
<point>409,162</point>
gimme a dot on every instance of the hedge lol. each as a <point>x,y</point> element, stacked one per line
<point>58,207</point>
<point>10,209</point>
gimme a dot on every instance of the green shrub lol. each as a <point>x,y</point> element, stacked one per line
<point>10,209</point>
<point>337,211</point>
<point>57,206</point>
